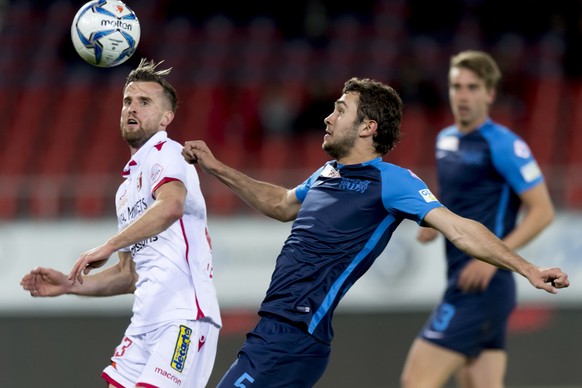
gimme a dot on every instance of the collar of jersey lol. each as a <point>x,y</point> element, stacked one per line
<point>338,165</point>
<point>139,155</point>
<point>487,123</point>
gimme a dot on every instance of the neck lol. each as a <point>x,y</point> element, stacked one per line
<point>356,158</point>
<point>470,127</point>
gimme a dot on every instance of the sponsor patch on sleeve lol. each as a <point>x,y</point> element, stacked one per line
<point>181,349</point>
<point>530,171</point>
<point>427,195</point>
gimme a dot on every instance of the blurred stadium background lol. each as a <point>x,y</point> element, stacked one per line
<point>256,80</point>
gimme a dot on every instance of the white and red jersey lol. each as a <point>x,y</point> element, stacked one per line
<point>174,267</point>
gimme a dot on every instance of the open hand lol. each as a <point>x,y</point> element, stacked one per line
<point>45,282</point>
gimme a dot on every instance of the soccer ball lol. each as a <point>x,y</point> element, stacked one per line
<point>105,33</point>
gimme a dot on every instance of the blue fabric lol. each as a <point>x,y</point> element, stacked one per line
<point>480,176</point>
<point>277,354</point>
<point>347,217</point>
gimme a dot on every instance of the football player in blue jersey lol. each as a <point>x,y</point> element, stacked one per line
<point>486,173</point>
<point>343,216</point>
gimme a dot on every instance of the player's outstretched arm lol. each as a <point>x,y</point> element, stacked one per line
<point>477,241</point>
<point>273,201</point>
<point>115,280</point>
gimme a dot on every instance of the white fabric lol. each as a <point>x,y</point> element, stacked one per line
<point>179,355</point>
<point>174,267</point>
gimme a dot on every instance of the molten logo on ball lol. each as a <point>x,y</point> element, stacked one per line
<point>105,33</point>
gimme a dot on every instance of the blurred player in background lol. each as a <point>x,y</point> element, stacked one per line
<point>485,173</point>
<point>165,257</point>
<point>344,215</point>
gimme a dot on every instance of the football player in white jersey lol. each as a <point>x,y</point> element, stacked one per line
<point>165,255</point>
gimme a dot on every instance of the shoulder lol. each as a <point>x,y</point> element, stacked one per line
<point>448,131</point>
<point>406,178</point>
<point>498,133</point>
<point>390,168</point>
<point>167,144</point>
<point>503,139</point>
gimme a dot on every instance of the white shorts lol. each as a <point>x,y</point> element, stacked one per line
<point>178,355</point>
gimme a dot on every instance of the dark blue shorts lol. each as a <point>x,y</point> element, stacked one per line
<point>471,323</point>
<point>278,354</point>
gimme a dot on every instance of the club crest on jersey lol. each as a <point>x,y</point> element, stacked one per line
<point>122,200</point>
<point>139,182</point>
<point>448,143</point>
<point>354,185</point>
<point>427,195</point>
<point>181,349</point>
<point>330,172</point>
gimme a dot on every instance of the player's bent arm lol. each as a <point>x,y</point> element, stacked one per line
<point>114,280</point>
<point>538,214</point>
<point>166,209</point>
<point>477,241</point>
<point>273,201</point>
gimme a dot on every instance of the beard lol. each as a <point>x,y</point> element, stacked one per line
<point>343,146</point>
<point>136,138</point>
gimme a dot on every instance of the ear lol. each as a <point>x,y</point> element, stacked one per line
<point>492,95</point>
<point>167,119</point>
<point>370,128</point>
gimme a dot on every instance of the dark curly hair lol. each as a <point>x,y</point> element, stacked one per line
<point>381,103</point>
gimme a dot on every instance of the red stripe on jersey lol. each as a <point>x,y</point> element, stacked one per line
<point>162,182</point>
<point>200,313</point>
<point>185,240</point>
<point>110,380</point>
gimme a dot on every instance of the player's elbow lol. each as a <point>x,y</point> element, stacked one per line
<point>550,215</point>
<point>173,210</point>
<point>286,217</point>
<point>286,211</point>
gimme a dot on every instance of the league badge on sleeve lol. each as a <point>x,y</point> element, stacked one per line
<point>427,195</point>
<point>521,149</point>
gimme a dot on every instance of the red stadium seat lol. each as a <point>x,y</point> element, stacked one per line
<point>544,107</point>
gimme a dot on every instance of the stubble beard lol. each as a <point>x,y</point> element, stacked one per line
<point>343,147</point>
<point>136,139</point>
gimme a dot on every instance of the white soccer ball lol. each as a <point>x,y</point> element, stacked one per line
<point>105,33</point>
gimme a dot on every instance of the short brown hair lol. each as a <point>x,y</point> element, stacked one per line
<point>146,72</point>
<point>481,64</point>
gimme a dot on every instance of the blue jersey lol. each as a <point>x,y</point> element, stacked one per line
<point>347,217</point>
<point>480,176</point>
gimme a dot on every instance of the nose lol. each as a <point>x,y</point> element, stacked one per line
<point>327,120</point>
<point>131,108</point>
